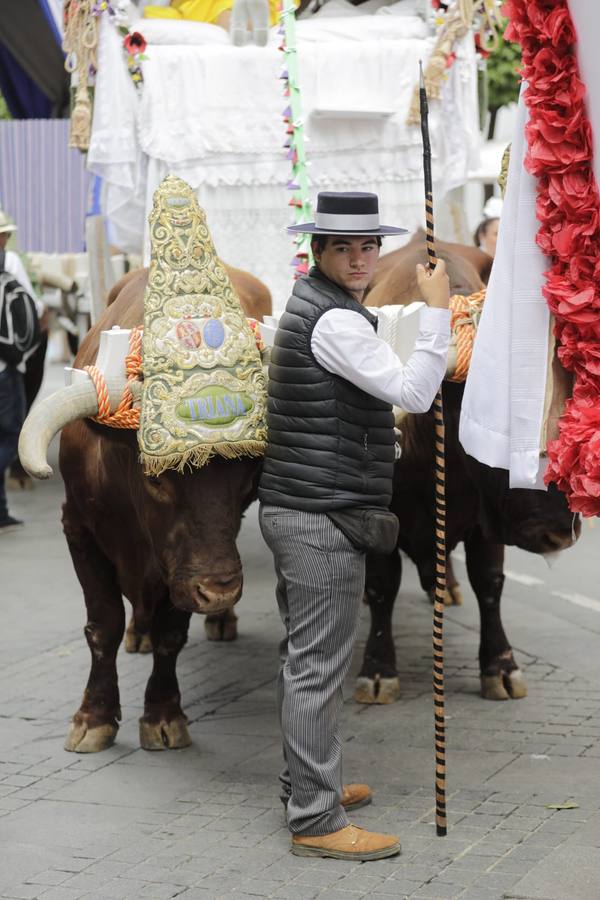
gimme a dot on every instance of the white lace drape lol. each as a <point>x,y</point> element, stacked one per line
<point>211,113</point>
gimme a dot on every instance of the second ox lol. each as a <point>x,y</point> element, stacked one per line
<point>481,511</point>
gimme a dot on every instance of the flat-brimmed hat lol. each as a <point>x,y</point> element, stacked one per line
<point>346,212</point>
<point>5,224</point>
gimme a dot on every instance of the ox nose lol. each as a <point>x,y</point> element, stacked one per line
<point>558,540</point>
<point>219,593</point>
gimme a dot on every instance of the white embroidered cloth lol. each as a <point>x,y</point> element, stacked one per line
<point>503,404</point>
<point>502,409</point>
<point>212,114</point>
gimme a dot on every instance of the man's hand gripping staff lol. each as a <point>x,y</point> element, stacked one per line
<point>434,285</point>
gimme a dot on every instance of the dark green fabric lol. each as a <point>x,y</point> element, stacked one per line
<point>330,445</point>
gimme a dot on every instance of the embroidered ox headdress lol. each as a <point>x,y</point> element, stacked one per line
<point>204,389</point>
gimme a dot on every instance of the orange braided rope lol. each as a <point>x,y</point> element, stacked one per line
<point>463,323</point>
<point>125,416</point>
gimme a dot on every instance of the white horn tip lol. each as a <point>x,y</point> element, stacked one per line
<point>43,472</point>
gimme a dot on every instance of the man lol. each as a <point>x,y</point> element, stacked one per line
<point>332,383</point>
<point>12,388</point>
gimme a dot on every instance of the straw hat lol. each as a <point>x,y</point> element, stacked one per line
<point>6,225</point>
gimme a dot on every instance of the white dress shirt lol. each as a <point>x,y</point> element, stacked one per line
<point>344,343</point>
<point>13,264</point>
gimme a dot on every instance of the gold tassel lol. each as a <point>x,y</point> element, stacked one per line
<point>197,457</point>
<point>81,119</point>
<point>79,43</point>
<point>435,71</point>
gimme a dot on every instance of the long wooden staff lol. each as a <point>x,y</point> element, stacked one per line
<point>440,508</point>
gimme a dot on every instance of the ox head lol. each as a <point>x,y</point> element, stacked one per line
<point>191,520</point>
<point>537,521</point>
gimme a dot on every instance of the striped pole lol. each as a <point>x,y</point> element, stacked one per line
<point>440,510</point>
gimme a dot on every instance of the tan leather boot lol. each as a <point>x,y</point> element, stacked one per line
<point>356,795</point>
<point>353,796</point>
<point>348,843</point>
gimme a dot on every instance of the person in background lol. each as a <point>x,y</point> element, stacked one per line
<point>12,383</point>
<point>486,233</point>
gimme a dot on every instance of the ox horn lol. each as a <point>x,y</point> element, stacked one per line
<point>78,401</point>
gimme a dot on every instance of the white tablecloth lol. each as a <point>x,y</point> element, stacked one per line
<point>212,114</point>
<point>503,405</point>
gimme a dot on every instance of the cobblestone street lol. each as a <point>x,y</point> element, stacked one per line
<point>206,822</point>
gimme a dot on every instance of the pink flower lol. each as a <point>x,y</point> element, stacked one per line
<point>558,27</point>
<point>135,43</point>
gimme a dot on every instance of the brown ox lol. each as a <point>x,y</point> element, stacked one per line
<point>167,543</point>
<point>481,511</point>
<point>253,294</point>
<point>395,282</point>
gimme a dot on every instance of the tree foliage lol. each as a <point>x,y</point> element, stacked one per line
<point>4,113</point>
<point>503,77</point>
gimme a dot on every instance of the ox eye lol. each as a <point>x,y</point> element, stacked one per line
<point>158,489</point>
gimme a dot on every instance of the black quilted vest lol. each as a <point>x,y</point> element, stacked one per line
<point>330,444</point>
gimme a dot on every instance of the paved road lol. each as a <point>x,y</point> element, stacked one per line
<point>206,822</point>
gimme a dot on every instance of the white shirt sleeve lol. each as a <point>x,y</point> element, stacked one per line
<point>344,343</point>
<point>13,264</point>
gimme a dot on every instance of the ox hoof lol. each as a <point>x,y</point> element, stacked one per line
<point>222,627</point>
<point>20,482</point>
<point>452,596</point>
<point>137,643</point>
<point>377,690</point>
<point>455,594</point>
<point>516,685</point>
<point>163,735</point>
<point>83,739</point>
<point>504,686</point>
<point>492,688</point>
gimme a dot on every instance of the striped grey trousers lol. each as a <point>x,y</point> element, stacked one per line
<point>320,584</point>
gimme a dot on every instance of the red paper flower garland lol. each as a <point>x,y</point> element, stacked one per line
<point>560,157</point>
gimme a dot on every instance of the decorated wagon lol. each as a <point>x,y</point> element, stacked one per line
<point>242,124</point>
